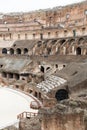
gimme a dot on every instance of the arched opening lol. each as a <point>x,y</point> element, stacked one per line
<point>53,42</point>
<point>49,50</point>
<point>17,86</point>
<point>71,41</point>
<point>30,91</point>
<point>64,66</point>
<point>41,36</point>
<point>10,75</point>
<point>42,69</point>
<point>4,51</point>
<point>4,74</point>
<point>61,94</point>
<point>18,51</point>
<point>39,95</point>
<point>35,94</point>
<point>78,51</point>
<point>56,65</point>
<point>62,41</point>
<point>81,40</point>
<point>17,76</point>
<point>39,43</point>
<point>25,51</point>
<point>11,51</point>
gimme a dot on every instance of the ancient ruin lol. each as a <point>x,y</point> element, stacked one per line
<point>44,53</point>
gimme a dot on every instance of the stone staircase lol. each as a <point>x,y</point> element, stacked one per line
<point>50,83</point>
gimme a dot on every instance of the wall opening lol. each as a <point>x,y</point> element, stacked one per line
<point>80,41</point>
<point>4,51</point>
<point>41,36</point>
<point>56,65</point>
<point>17,86</point>
<point>11,51</point>
<point>17,76</point>
<point>61,94</point>
<point>25,51</point>
<point>78,51</point>
<point>10,75</point>
<point>18,51</point>
<point>30,91</point>
<point>47,68</point>
<point>64,66</point>
<point>39,95</point>
<point>62,41</point>
<point>42,69</point>
<point>35,94</point>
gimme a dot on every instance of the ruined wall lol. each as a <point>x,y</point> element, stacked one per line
<point>61,117</point>
<point>63,122</point>
<point>51,23</point>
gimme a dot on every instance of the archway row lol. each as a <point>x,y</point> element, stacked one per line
<point>17,51</point>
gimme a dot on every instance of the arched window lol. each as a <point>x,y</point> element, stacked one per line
<point>61,94</point>
<point>78,51</point>
<point>4,51</point>
<point>62,41</point>
<point>11,51</point>
<point>18,51</point>
<point>25,51</point>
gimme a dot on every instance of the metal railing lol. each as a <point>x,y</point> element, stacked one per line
<point>26,115</point>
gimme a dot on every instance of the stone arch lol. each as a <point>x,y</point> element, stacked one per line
<point>11,51</point>
<point>53,42</point>
<point>25,51</point>
<point>62,41</point>
<point>35,94</point>
<point>71,40</point>
<point>81,39</point>
<point>18,51</point>
<point>4,51</point>
<point>61,94</point>
<point>78,51</point>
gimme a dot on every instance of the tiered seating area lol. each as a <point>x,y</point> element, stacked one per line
<point>50,83</point>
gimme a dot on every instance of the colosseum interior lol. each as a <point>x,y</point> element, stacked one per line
<point>44,53</point>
